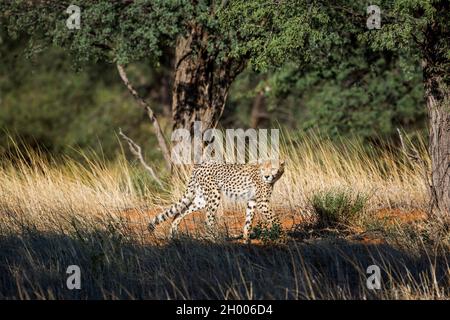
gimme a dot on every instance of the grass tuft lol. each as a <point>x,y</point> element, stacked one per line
<point>338,208</point>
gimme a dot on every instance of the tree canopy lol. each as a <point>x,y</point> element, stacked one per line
<point>340,75</point>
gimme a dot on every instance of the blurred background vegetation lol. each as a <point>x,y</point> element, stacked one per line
<point>48,104</point>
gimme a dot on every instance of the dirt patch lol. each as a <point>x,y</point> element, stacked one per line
<point>392,216</point>
<point>230,222</point>
<point>389,217</point>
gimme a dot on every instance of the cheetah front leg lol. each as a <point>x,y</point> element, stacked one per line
<point>250,211</point>
<point>213,201</point>
<point>266,210</point>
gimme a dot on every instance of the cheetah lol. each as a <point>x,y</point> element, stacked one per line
<point>250,182</point>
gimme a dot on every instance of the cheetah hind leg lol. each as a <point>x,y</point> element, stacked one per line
<point>195,206</point>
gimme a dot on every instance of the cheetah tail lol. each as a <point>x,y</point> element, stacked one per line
<point>175,209</point>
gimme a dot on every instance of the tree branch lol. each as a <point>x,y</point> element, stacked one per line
<point>159,134</point>
<point>137,152</point>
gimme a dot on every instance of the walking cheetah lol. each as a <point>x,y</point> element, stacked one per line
<point>251,182</point>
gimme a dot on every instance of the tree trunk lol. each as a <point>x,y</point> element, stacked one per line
<point>438,105</point>
<point>439,144</point>
<point>259,117</point>
<point>201,83</point>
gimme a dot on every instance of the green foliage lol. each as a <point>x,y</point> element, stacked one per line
<point>347,99</point>
<point>337,208</point>
<point>341,78</point>
<point>267,234</point>
<point>110,30</point>
<point>267,34</point>
<point>272,33</point>
<point>46,105</point>
<point>418,28</point>
<point>350,98</point>
<point>325,69</point>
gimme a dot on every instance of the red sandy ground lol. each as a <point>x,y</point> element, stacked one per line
<point>397,215</point>
<point>391,217</point>
<point>233,221</point>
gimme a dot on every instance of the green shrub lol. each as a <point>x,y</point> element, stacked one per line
<point>267,234</point>
<point>338,208</point>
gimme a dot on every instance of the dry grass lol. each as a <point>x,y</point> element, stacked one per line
<point>94,215</point>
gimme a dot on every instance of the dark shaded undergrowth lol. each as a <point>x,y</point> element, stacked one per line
<point>33,266</point>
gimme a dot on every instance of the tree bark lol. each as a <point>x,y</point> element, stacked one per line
<point>437,90</point>
<point>439,141</point>
<point>259,116</point>
<point>201,82</point>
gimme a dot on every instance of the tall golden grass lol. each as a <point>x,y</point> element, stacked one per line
<point>54,213</point>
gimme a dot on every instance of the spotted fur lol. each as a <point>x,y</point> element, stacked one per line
<point>250,182</point>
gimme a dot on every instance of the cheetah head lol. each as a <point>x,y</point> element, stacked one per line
<point>271,170</point>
